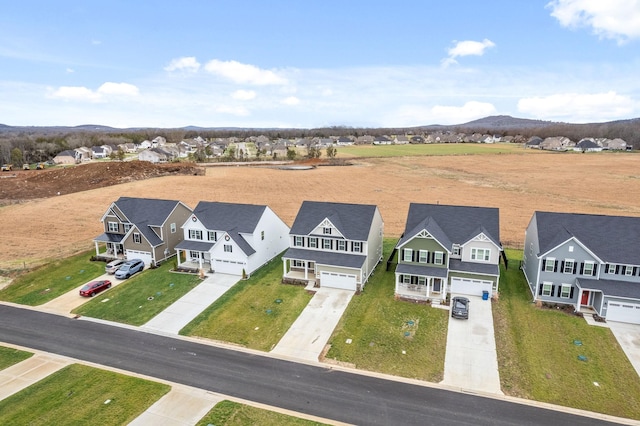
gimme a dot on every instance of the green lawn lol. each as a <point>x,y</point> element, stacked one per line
<point>52,280</point>
<point>77,394</point>
<point>10,356</point>
<point>248,313</point>
<point>228,413</point>
<point>411,150</point>
<point>141,297</point>
<point>538,359</point>
<point>377,326</point>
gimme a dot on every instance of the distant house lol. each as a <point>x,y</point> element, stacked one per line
<point>382,140</point>
<point>84,153</point>
<point>69,156</point>
<point>400,140</point>
<point>145,144</point>
<point>416,139</point>
<point>153,155</point>
<point>616,144</point>
<point>99,152</point>
<point>534,142</point>
<point>344,141</point>
<point>557,143</point>
<point>587,145</point>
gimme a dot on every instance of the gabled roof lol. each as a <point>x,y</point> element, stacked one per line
<point>354,221</point>
<point>145,213</point>
<point>229,217</point>
<point>614,239</point>
<point>457,224</point>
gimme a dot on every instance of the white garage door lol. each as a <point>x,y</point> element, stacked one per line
<point>144,255</point>
<point>470,287</point>
<point>623,312</point>
<point>228,266</point>
<point>336,280</point>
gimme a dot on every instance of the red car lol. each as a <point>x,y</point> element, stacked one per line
<point>94,287</point>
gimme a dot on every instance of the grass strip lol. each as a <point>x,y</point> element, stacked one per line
<point>78,395</point>
<point>230,413</point>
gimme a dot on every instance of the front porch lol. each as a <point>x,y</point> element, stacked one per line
<point>299,270</point>
<point>109,250</point>
<point>427,288</point>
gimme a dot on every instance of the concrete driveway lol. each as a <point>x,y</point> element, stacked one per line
<point>64,304</point>
<point>308,335</point>
<point>471,362</point>
<point>189,306</point>
<point>628,335</point>
<point>23,374</point>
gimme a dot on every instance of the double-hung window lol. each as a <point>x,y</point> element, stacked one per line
<point>438,258</point>
<point>588,268</point>
<point>326,244</point>
<point>568,266</point>
<point>550,264</point>
<point>480,254</point>
<point>136,238</point>
<point>628,270</point>
<point>298,241</point>
<point>546,289</point>
<point>228,248</point>
<point>424,255</point>
<point>313,242</point>
<point>565,291</point>
<point>407,255</point>
<point>212,235</point>
<point>112,226</point>
<point>195,234</point>
<point>357,247</point>
<point>342,245</point>
<point>611,268</point>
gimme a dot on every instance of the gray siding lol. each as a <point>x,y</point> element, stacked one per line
<point>530,261</point>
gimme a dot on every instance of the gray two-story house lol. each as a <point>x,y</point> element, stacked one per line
<point>589,261</point>
<point>448,250</point>
<point>142,228</point>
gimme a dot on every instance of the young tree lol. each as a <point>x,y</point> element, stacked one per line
<point>291,154</point>
<point>16,156</point>
<point>331,151</point>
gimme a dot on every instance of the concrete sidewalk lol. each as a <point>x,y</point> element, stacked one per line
<point>64,304</point>
<point>28,372</point>
<point>308,335</point>
<point>182,406</point>
<point>471,361</point>
<point>189,306</point>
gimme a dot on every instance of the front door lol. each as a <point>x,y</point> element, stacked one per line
<point>437,282</point>
<point>585,298</point>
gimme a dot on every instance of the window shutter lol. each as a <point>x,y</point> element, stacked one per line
<point>562,266</point>
<point>617,269</point>
<point>553,290</point>
<point>575,267</point>
<point>444,258</point>
<point>555,266</point>
<point>414,254</point>
<point>635,270</point>
<point>581,267</point>
<point>540,289</point>
<point>571,294</point>
<point>595,270</point>
<point>544,264</point>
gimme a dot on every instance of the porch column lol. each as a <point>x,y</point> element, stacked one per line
<point>306,270</point>
<point>97,248</point>
<point>429,284</point>
<point>284,267</point>
<point>178,251</point>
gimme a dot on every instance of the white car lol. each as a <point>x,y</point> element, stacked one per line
<point>113,266</point>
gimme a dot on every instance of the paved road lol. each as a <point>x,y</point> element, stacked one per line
<point>319,391</point>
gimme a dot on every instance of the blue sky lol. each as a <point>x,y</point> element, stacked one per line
<point>295,63</point>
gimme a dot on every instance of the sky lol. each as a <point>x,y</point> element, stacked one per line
<point>316,63</point>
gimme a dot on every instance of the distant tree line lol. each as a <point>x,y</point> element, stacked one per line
<point>29,145</point>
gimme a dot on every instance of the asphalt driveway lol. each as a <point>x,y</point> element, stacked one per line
<point>628,335</point>
<point>308,335</point>
<point>471,361</point>
<point>189,306</point>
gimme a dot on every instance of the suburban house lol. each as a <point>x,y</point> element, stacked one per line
<point>141,228</point>
<point>69,156</point>
<point>589,261</point>
<point>448,249</point>
<point>231,238</point>
<point>334,245</point>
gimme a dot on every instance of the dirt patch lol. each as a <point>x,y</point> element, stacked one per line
<point>29,184</point>
<point>519,184</point>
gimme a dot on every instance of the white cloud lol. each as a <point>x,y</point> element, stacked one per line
<point>578,107</point>
<point>467,48</point>
<point>239,111</point>
<point>106,90</point>
<point>614,19</point>
<point>70,70</point>
<point>119,89</point>
<point>186,63</point>
<point>291,100</point>
<point>418,115</point>
<point>243,95</point>
<point>244,73</point>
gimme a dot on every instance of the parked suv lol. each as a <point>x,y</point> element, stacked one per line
<point>460,307</point>
<point>129,268</point>
<point>113,266</point>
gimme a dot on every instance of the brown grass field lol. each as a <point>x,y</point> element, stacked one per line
<point>518,183</point>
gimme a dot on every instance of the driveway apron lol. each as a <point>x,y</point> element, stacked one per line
<point>308,335</point>
<point>189,306</point>
<point>471,362</point>
<point>67,302</point>
<point>628,336</point>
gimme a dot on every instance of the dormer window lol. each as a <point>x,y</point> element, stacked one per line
<point>112,226</point>
<point>126,227</point>
<point>456,250</point>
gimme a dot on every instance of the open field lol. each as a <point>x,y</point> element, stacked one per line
<point>518,183</point>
